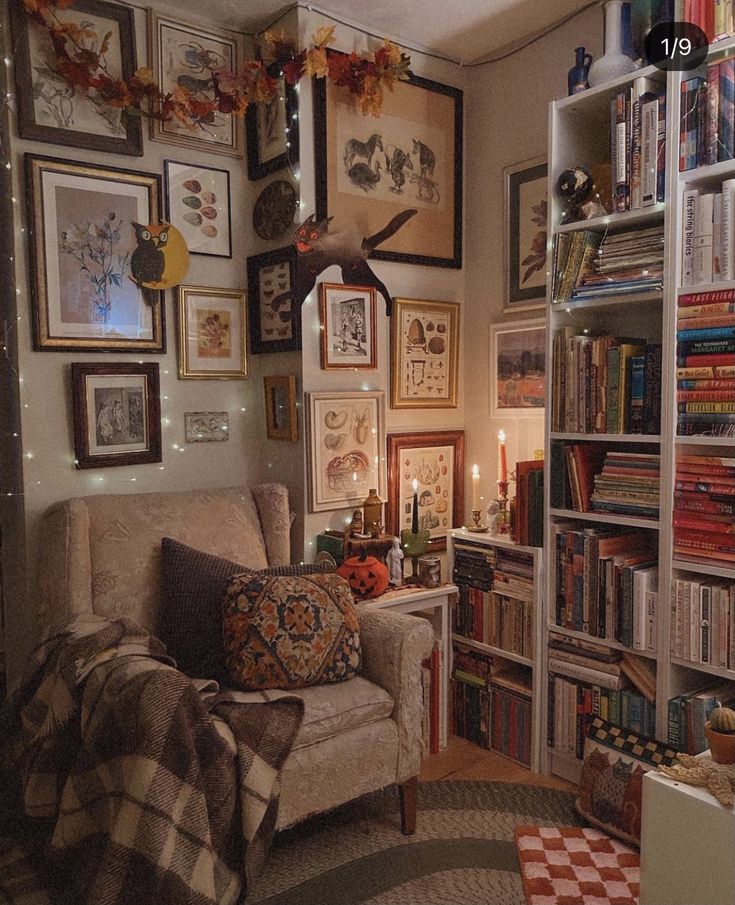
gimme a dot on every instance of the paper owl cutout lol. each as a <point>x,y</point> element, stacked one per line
<point>161,260</point>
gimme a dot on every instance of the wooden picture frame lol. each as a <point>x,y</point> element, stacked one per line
<point>423,120</point>
<point>346,442</point>
<point>270,274</point>
<point>117,414</point>
<point>206,427</point>
<point>525,234</point>
<point>348,326</point>
<point>269,146</point>
<point>436,460</point>
<point>212,333</point>
<point>281,417</point>
<point>82,239</point>
<point>198,204</point>
<point>49,109</point>
<point>181,52</point>
<point>518,368</point>
<point>424,354</point>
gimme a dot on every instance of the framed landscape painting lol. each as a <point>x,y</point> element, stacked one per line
<point>198,204</point>
<point>82,243</point>
<point>348,328</point>
<point>518,367</point>
<point>212,331</point>
<point>49,109</point>
<point>525,234</point>
<point>370,169</point>
<point>274,324</point>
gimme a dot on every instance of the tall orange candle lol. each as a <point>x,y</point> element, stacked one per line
<point>502,460</point>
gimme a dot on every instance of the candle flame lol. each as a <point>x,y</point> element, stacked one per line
<point>501,436</point>
<point>354,475</point>
<point>475,470</point>
<point>415,485</point>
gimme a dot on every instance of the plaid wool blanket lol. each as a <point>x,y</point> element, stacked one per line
<point>119,782</point>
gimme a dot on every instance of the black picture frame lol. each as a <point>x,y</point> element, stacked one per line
<point>284,258</point>
<point>168,163</point>
<point>29,128</point>
<point>257,168</point>
<point>520,263</point>
<point>324,158</point>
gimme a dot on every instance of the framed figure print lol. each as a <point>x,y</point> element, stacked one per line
<point>206,427</point>
<point>281,418</point>
<point>424,354</point>
<point>198,204</point>
<point>275,326</point>
<point>185,55</point>
<point>525,234</point>
<point>346,441</point>
<point>348,328</point>
<point>436,461</point>
<point>212,331</point>
<point>369,170</point>
<point>117,415</point>
<point>49,108</point>
<point>518,363</point>
<point>83,237</point>
<point>272,130</point>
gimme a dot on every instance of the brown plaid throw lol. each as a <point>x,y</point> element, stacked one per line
<point>118,784</point>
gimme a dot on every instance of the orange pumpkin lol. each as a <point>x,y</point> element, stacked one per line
<point>366,576</point>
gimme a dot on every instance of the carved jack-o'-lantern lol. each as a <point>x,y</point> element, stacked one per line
<point>366,575</point>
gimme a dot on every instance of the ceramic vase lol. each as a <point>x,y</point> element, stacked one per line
<point>614,62</point>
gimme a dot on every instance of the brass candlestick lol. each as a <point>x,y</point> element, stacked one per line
<point>476,526</point>
<point>503,517</point>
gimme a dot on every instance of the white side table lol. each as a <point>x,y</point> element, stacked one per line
<point>687,845</point>
<point>413,599</point>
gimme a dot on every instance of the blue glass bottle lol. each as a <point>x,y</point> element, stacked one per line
<point>577,78</point>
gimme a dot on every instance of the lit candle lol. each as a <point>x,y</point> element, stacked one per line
<point>415,510</point>
<point>502,461</point>
<point>475,487</point>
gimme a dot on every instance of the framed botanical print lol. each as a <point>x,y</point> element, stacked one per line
<point>346,441</point>
<point>212,331</point>
<point>272,130</point>
<point>184,55</point>
<point>117,415</point>
<point>348,328</point>
<point>49,109</point>
<point>424,354</point>
<point>436,461</point>
<point>82,244</point>
<point>198,204</point>
<point>281,417</point>
<point>275,326</point>
<point>369,170</point>
<point>518,367</point>
<point>525,234</point>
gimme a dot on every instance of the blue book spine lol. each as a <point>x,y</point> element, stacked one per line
<point>707,333</point>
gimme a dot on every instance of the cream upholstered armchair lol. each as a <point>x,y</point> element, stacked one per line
<point>101,554</point>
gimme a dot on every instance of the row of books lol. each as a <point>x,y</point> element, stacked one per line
<point>703,621</point>
<point>605,384</point>
<point>707,117</point>
<point>502,622</point>
<point>687,714</point>
<point>606,584</point>
<point>714,17</point>
<point>473,564</point>
<point>707,479</point>
<point>628,485</point>
<point>528,521</point>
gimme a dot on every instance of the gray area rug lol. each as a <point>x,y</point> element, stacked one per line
<point>462,853</point>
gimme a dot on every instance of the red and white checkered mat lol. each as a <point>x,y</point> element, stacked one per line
<point>576,866</point>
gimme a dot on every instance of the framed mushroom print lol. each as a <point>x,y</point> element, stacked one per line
<point>525,234</point>
<point>82,244</point>
<point>273,328</point>
<point>49,109</point>
<point>198,204</point>
<point>184,55</point>
<point>212,331</point>
<point>346,441</point>
<point>348,327</point>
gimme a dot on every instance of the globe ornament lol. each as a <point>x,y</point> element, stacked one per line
<point>576,188</point>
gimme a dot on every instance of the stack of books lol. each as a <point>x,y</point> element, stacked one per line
<point>707,116</point>
<point>528,522</point>
<point>703,621</point>
<point>706,528</point>
<point>689,712</point>
<point>628,485</point>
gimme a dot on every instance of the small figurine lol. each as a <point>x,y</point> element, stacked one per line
<point>394,560</point>
<point>356,525</point>
<point>492,510</point>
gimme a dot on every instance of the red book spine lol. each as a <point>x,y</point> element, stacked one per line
<point>724,543</point>
<point>700,502</point>
<point>434,695</point>
<point>704,396</point>
<point>706,298</point>
<point>686,468</point>
<point>705,486</point>
<point>715,360</point>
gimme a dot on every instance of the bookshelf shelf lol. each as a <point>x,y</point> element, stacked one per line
<point>699,440</point>
<point>631,298</point>
<point>704,567</point>
<point>615,221</point>
<point>601,94</point>
<point>494,651</point>
<point>615,645</point>
<point>607,438</point>
<point>606,518</point>
<point>707,287</point>
<point>705,667</point>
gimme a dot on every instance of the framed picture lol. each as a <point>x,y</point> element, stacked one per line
<point>272,131</point>
<point>424,354</point>
<point>272,329</point>
<point>184,55</point>
<point>348,329</point>
<point>83,239</point>
<point>212,331</point>
<point>525,234</point>
<point>346,442</point>
<point>117,415</point>
<point>206,427</point>
<point>198,203</point>
<point>436,460</point>
<point>280,408</point>
<point>368,170</point>
<point>52,111</point>
<point>518,367</point>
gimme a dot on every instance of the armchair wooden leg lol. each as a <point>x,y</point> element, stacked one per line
<point>407,792</point>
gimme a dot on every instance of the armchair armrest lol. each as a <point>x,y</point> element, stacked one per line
<point>393,647</point>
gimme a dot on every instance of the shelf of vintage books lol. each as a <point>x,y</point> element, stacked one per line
<point>694,691</point>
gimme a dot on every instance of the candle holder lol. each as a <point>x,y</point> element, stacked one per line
<point>414,543</point>
<point>503,517</point>
<point>476,526</point>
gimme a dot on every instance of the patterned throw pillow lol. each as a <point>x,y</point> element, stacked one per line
<point>290,631</point>
<point>611,787</point>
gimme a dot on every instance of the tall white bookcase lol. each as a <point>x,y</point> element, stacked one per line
<point>579,133</point>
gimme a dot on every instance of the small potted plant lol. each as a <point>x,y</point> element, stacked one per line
<point>720,732</point>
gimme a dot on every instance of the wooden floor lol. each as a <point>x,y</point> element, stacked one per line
<point>464,760</point>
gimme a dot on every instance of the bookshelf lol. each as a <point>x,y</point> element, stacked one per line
<point>580,133</point>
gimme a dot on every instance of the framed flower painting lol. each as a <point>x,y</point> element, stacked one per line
<point>212,331</point>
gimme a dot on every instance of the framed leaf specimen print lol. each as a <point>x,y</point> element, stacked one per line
<point>525,234</point>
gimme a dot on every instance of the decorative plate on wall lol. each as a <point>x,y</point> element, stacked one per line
<point>274,209</point>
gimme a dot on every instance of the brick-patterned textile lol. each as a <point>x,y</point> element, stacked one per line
<point>576,866</point>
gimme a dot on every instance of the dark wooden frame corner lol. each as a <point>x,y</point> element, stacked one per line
<point>290,157</point>
<point>291,432</point>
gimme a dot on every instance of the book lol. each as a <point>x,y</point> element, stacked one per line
<point>726,118</point>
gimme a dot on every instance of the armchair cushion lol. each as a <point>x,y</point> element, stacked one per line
<point>290,631</point>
